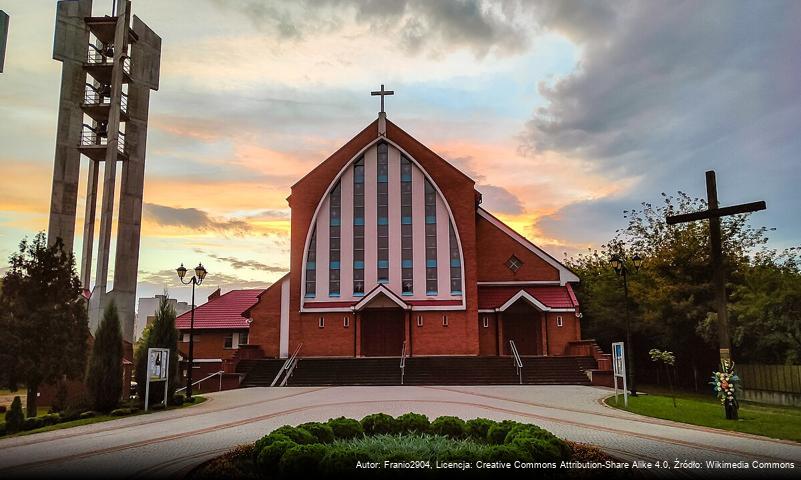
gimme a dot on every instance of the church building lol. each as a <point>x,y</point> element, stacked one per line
<point>390,246</point>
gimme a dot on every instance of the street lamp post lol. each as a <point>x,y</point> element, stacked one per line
<point>619,264</point>
<point>197,279</point>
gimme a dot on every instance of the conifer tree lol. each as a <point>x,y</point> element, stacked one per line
<point>43,318</point>
<point>14,416</point>
<point>104,375</point>
<point>161,334</point>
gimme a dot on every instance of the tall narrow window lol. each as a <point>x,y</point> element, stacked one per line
<point>382,199</point>
<point>431,239</point>
<point>358,227</point>
<point>311,266</point>
<point>407,270</point>
<point>334,245</point>
<point>456,262</point>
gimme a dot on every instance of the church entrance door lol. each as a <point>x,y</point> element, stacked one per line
<point>521,323</point>
<point>382,332</point>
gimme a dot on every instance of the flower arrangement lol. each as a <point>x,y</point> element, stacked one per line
<point>726,385</point>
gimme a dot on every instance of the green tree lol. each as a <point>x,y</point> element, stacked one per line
<point>671,296</point>
<point>161,334</point>
<point>43,318</point>
<point>766,309</point>
<point>104,375</point>
<point>14,416</point>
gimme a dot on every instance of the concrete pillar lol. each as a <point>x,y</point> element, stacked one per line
<point>3,37</point>
<point>89,224</point>
<point>69,47</point>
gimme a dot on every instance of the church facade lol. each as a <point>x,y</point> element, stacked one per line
<point>390,246</point>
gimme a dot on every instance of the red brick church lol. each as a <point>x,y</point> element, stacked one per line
<point>390,244</point>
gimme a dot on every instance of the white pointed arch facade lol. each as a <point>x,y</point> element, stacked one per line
<point>383,220</point>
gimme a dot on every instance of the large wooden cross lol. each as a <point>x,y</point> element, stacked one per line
<point>383,92</point>
<point>713,214</point>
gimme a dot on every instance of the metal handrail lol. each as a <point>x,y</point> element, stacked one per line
<point>518,362</point>
<point>204,379</point>
<point>403,361</point>
<point>287,365</point>
<point>94,96</point>
<point>289,372</point>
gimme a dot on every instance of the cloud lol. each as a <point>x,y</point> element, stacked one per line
<point>500,200</point>
<point>241,264</point>
<point>168,278</point>
<point>419,26</point>
<point>674,89</point>
<point>194,219</point>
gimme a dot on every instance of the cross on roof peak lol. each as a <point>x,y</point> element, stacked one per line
<point>382,93</point>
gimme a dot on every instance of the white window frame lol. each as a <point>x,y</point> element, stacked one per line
<point>419,320</point>
<point>225,340</point>
<point>321,322</point>
<point>559,321</point>
<point>486,321</point>
<point>444,320</point>
<point>345,321</point>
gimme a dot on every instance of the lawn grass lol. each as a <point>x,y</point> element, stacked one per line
<point>705,410</point>
<point>96,419</point>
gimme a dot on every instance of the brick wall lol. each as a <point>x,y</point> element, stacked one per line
<point>458,338</point>
<point>334,339</point>
<point>494,249</point>
<point>559,337</point>
<point>266,327</point>
<point>208,344</point>
<point>488,337</point>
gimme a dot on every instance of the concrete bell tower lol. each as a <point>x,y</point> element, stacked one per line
<point>109,66</point>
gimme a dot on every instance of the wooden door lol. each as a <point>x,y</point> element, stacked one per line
<point>382,332</point>
<point>524,329</point>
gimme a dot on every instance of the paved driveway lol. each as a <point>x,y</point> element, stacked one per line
<point>171,442</point>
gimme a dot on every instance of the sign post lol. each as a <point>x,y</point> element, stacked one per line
<point>619,370</point>
<point>158,370</point>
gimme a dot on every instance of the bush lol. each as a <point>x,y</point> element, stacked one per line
<point>120,412</point>
<point>14,416</point>
<point>322,432</point>
<point>3,409</point>
<point>413,423</point>
<point>297,435</point>
<point>346,428</point>
<point>32,423</point>
<point>478,428</point>
<point>538,443</point>
<point>270,455</point>
<point>496,435</point>
<point>505,453</point>
<point>449,426</point>
<point>3,430</point>
<point>379,423</point>
<point>88,414</point>
<point>340,460</point>
<point>269,440</point>
<point>301,460</point>
<point>178,400</point>
<point>50,419</point>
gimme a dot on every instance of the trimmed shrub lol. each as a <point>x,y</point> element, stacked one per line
<point>297,435</point>
<point>346,428</point>
<point>505,453</point>
<point>449,426</point>
<point>478,428</point>
<point>104,374</point>
<point>50,419</point>
<point>302,460</point>
<point>542,450</point>
<point>270,455</point>
<point>88,414</point>
<point>14,416</point>
<point>379,423</point>
<point>32,423</point>
<point>121,412</point>
<point>339,460</point>
<point>321,431</point>
<point>269,440</point>
<point>497,433</point>
<point>414,423</point>
<point>3,430</point>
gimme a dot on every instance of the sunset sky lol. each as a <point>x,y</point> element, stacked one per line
<point>564,112</point>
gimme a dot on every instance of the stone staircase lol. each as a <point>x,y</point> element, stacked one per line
<point>569,370</point>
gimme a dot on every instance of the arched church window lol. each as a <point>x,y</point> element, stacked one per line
<point>431,238</point>
<point>311,266</point>
<point>455,261</point>
<point>407,270</point>
<point>358,227</point>
<point>383,213</point>
<point>334,246</point>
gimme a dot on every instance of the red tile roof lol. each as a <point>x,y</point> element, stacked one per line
<point>224,311</point>
<point>552,296</point>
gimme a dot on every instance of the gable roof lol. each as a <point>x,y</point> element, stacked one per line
<point>225,311</point>
<point>545,298</point>
<point>565,274</point>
